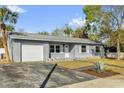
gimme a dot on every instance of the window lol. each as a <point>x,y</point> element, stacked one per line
<point>54,48</point>
<point>83,48</point>
<point>57,48</point>
<point>97,49</point>
<point>51,48</point>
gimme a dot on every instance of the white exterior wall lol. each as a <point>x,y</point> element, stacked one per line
<point>17,49</point>
<point>74,50</point>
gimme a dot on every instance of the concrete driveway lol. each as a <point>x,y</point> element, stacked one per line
<point>32,74</point>
<point>116,81</point>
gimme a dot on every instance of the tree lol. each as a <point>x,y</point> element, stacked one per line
<point>68,30</point>
<point>1,43</point>
<point>43,33</point>
<point>10,28</point>
<point>85,33</point>
<point>78,33</point>
<point>109,21</point>
<point>7,17</point>
<point>57,32</point>
<point>93,14</point>
<point>114,37</point>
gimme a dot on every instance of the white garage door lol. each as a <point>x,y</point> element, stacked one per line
<point>32,52</point>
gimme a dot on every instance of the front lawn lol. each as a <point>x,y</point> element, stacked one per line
<point>73,64</point>
<point>89,62</point>
<point>107,61</point>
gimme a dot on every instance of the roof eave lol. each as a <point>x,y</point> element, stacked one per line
<point>93,43</point>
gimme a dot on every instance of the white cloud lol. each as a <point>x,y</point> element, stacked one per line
<point>15,8</point>
<point>77,22</point>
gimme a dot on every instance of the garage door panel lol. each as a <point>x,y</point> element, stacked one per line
<point>32,52</point>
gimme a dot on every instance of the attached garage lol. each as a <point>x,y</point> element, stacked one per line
<point>32,52</point>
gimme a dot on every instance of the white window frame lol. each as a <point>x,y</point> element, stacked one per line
<point>55,48</point>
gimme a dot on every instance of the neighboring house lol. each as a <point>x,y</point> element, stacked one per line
<point>114,55</point>
<point>33,47</point>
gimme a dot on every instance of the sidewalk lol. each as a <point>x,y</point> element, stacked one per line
<point>116,81</point>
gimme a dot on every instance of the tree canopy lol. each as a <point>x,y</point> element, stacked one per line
<point>78,33</point>
<point>108,22</point>
<point>7,21</point>
<point>1,43</point>
<point>43,33</point>
<point>7,16</point>
<point>68,30</point>
<point>58,32</point>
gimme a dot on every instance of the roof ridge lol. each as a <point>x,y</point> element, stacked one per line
<point>27,33</point>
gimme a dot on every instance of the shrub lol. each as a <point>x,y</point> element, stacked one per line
<point>100,67</point>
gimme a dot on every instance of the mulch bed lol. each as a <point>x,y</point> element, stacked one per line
<point>105,73</point>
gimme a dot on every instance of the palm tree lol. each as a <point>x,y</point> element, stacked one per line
<point>7,17</point>
<point>10,28</point>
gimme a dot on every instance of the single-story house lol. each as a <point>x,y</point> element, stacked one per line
<point>34,47</point>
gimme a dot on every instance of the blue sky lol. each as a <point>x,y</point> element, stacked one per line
<point>34,18</point>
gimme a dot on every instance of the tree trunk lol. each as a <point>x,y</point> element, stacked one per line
<point>4,41</point>
<point>118,50</point>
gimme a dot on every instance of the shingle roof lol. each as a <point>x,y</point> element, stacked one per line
<point>32,36</point>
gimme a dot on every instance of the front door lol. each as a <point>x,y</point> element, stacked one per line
<point>66,48</point>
